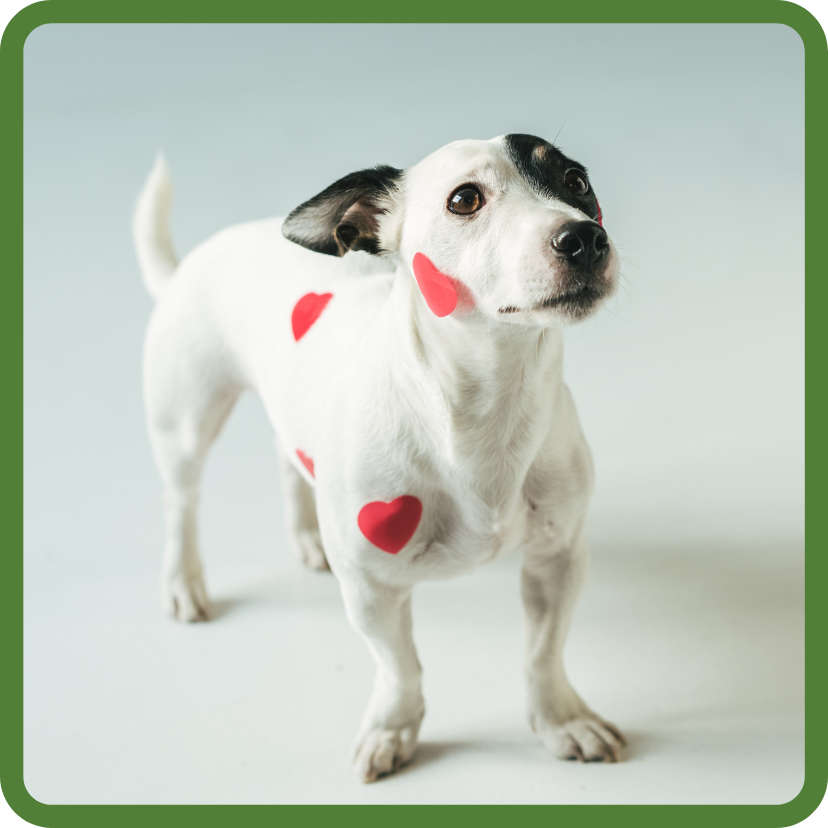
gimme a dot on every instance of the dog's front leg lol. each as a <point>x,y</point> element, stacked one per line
<point>388,736</point>
<point>551,581</point>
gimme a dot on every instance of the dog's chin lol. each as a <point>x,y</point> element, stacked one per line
<point>567,307</point>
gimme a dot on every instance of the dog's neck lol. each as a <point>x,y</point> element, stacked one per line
<point>489,386</point>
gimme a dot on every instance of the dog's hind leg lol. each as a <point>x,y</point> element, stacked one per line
<point>300,516</point>
<point>188,399</point>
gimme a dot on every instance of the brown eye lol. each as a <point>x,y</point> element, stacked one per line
<point>465,200</point>
<point>577,182</point>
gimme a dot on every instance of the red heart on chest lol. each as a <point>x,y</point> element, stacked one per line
<point>307,311</point>
<point>390,526</point>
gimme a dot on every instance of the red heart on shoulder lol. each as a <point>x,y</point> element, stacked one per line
<point>307,311</point>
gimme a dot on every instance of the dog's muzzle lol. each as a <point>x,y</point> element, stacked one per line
<point>583,248</point>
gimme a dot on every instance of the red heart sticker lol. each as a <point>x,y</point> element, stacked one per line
<point>600,214</point>
<point>438,290</point>
<point>306,461</point>
<point>307,311</point>
<point>390,526</point>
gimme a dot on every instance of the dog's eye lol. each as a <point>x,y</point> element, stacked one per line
<point>577,182</point>
<point>465,200</point>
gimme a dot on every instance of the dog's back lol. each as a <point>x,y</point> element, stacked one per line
<point>243,310</point>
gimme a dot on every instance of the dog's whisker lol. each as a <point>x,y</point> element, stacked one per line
<point>560,129</point>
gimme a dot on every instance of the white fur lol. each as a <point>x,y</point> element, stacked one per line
<point>150,229</point>
<point>467,412</point>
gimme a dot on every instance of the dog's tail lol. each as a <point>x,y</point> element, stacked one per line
<point>151,232</point>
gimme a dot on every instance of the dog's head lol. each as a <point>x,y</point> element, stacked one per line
<point>511,225</point>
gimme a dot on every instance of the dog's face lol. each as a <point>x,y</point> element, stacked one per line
<point>512,222</point>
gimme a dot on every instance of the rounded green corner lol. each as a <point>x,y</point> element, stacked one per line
<point>800,20</point>
<point>806,802</point>
<point>24,23</point>
<point>21,801</point>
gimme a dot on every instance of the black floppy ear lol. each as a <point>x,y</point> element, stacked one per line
<point>345,216</point>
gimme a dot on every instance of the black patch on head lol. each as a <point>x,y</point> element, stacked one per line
<point>544,166</point>
<point>344,216</point>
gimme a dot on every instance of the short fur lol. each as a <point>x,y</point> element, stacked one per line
<point>468,413</point>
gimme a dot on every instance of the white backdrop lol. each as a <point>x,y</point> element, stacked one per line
<point>690,385</point>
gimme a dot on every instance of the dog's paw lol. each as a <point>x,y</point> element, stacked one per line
<point>185,598</point>
<point>308,545</point>
<point>379,752</point>
<point>584,739</point>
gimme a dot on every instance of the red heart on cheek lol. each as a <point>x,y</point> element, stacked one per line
<point>306,461</point>
<point>390,526</point>
<point>600,214</point>
<point>306,312</point>
<point>437,289</point>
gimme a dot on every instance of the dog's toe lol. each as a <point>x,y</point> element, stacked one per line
<point>186,599</point>
<point>584,740</point>
<point>381,752</point>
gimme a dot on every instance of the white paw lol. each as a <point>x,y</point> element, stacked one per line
<point>308,547</point>
<point>585,739</point>
<point>379,752</point>
<point>185,598</point>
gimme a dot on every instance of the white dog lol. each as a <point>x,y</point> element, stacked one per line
<point>415,389</point>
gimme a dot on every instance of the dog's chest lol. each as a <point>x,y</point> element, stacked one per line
<point>459,533</point>
<point>472,514</point>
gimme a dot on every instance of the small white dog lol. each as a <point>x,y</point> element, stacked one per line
<point>415,389</point>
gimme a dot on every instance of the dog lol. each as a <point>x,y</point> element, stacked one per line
<point>404,331</point>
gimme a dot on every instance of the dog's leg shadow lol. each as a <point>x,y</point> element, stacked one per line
<point>428,752</point>
<point>639,745</point>
<point>274,591</point>
<point>222,606</point>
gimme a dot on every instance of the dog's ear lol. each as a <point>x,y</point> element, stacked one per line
<point>346,215</point>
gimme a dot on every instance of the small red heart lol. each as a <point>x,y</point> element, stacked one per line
<point>437,289</point>
<point>390,526</point>
<point>307,311</point>
<point>306,461</point>
<point>600,214</point>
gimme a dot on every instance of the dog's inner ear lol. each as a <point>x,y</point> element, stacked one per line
<point>345,216</point>
<point>358,228</point>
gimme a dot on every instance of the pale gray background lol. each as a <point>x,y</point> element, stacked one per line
<point>690,389</point>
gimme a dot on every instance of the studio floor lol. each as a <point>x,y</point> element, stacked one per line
<point>697,653</point>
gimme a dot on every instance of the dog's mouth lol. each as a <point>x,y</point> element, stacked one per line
<point>575,299</point>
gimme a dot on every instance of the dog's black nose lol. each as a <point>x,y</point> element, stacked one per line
<point>581,242</point>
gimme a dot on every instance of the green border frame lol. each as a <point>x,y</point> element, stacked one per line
<point>372,11</point>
